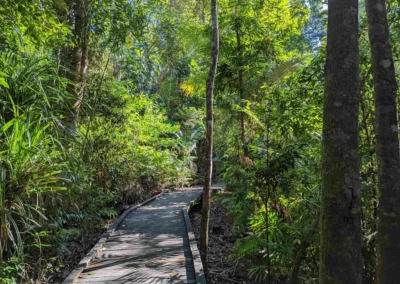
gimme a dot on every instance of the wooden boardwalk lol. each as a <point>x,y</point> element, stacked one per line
<point>149,246</point>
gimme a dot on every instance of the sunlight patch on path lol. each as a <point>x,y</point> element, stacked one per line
<point>148,246</point>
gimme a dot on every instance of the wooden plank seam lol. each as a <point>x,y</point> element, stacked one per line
<point>73,276</point>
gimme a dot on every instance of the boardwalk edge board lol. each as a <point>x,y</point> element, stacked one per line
<point>198,265</point>
<point>73,276</point>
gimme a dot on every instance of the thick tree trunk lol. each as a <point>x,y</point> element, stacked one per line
<point>340,249</point>
<point>205,214</point>
<point>387,143</point>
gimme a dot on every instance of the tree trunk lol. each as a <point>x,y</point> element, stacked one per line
<point>205,214</point>
<point>3,220</point>
<point>341,260</point>
<point>79,58</point>
<point>267,234</point>
<point>76,56</point>
<point>240,83</point>
<point>84,64</point>
<point>387,143</point>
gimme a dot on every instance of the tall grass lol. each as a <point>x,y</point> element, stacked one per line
<point>34,88</point>
<point>33,105</point>
<point>31,164</point>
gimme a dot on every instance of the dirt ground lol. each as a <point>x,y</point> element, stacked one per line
<point>71,254</point>
<point>223,269</point>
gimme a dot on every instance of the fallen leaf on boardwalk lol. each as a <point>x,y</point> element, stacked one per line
<point>80,276</point>
<point>173,274</point>
<point>89,273</point>
<point>102,249</point>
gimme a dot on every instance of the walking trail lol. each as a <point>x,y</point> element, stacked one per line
<point>149,246</point>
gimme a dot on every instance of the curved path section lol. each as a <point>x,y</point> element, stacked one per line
<point>149,246</point>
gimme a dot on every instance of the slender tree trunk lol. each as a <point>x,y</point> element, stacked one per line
<point>3,220</point>
<point>340,249</point>
<point>76,56</point>
<point>205,214</point>
<point>203,14</point>
<point>79,58</point>
<point>239,49</point>
<point>267,233</point>
<point>84,60</point>
<point>387,143</point>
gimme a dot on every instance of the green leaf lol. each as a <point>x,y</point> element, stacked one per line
<point>3,83</point>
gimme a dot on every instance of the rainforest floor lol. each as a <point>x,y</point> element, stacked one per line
<point>72,252</point>
<point>223,268</point>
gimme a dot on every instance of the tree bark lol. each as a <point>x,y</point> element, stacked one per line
<point>79,58</point>
<point>76,56</point>
<point>3,220</point>
<point>267,234</point>
<point>84,64</point>
<point>239,49</point>
<point>341,260</point>
<point>205,216</point>
<point>387,143</point>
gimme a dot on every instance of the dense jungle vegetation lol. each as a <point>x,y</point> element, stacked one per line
<point>103,104</point>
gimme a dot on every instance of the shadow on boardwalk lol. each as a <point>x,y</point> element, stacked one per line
<point>149,246</point>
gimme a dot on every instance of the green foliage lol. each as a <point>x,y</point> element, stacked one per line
<point>8,270</point>
<point>125,149</point>
<point>278,184</point>
<point>30,161</point>
<point>143,141</point>
<point>29,24</point>
<point>74,152</point>
<point>32,87</point>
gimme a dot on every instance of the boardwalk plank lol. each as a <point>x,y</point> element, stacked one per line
<point>149,246</point>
